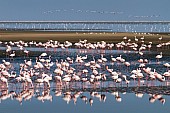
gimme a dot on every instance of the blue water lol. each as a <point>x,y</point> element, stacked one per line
<point>129,101</point>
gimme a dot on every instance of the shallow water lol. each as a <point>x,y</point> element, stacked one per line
<point>108,96</point>
<point>129,103</point>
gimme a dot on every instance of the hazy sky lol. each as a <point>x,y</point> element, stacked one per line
<point>84,10</point>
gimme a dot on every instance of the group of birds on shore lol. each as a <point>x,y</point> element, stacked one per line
<point>84,68</point>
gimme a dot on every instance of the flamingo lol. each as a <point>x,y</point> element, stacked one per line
<point>113,59</point>
<point>118,80</point>
<point>119,58</point>
<point>159,77</point>
<point>109,70</point>
<point>127,64</point>
<point>67,97</point>
<point>8,50</point>
<point>155,97</point>
<point>118,98</point>
<point>139,95</point>
<point>46,80</point>
<point>103,59</point>
<point>160,38</point>
<point>28,63</point>
<point>84,98</point>
<point>84,57</point>
<point>66,79</point>
<point>39,81</point>
<point>3,79</point>
<point>13,74</point>
<point>28,79</point>
<point>6,63</point>
<point>125,78</point>
<point>133,76</point>
<point>159,56</point>
<point>76,77</point>
<point>167,74</point>
<point>43,54</point>
<point>91,101</point>
<point>12,55</point>
<point>167,65</point>
<point>26,52</point>
<point>136,39</point>
<point>5,73</point>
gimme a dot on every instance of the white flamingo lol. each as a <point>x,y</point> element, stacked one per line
<point>159,56</point>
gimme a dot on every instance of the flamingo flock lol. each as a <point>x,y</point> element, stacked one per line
<point>90,65</point>
<point>94,63</point>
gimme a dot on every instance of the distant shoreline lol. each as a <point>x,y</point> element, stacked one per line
<point>74,36</point>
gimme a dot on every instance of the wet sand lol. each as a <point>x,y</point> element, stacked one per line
<point>76,36</point>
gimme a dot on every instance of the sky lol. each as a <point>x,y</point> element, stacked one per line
<point>84,10</point>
